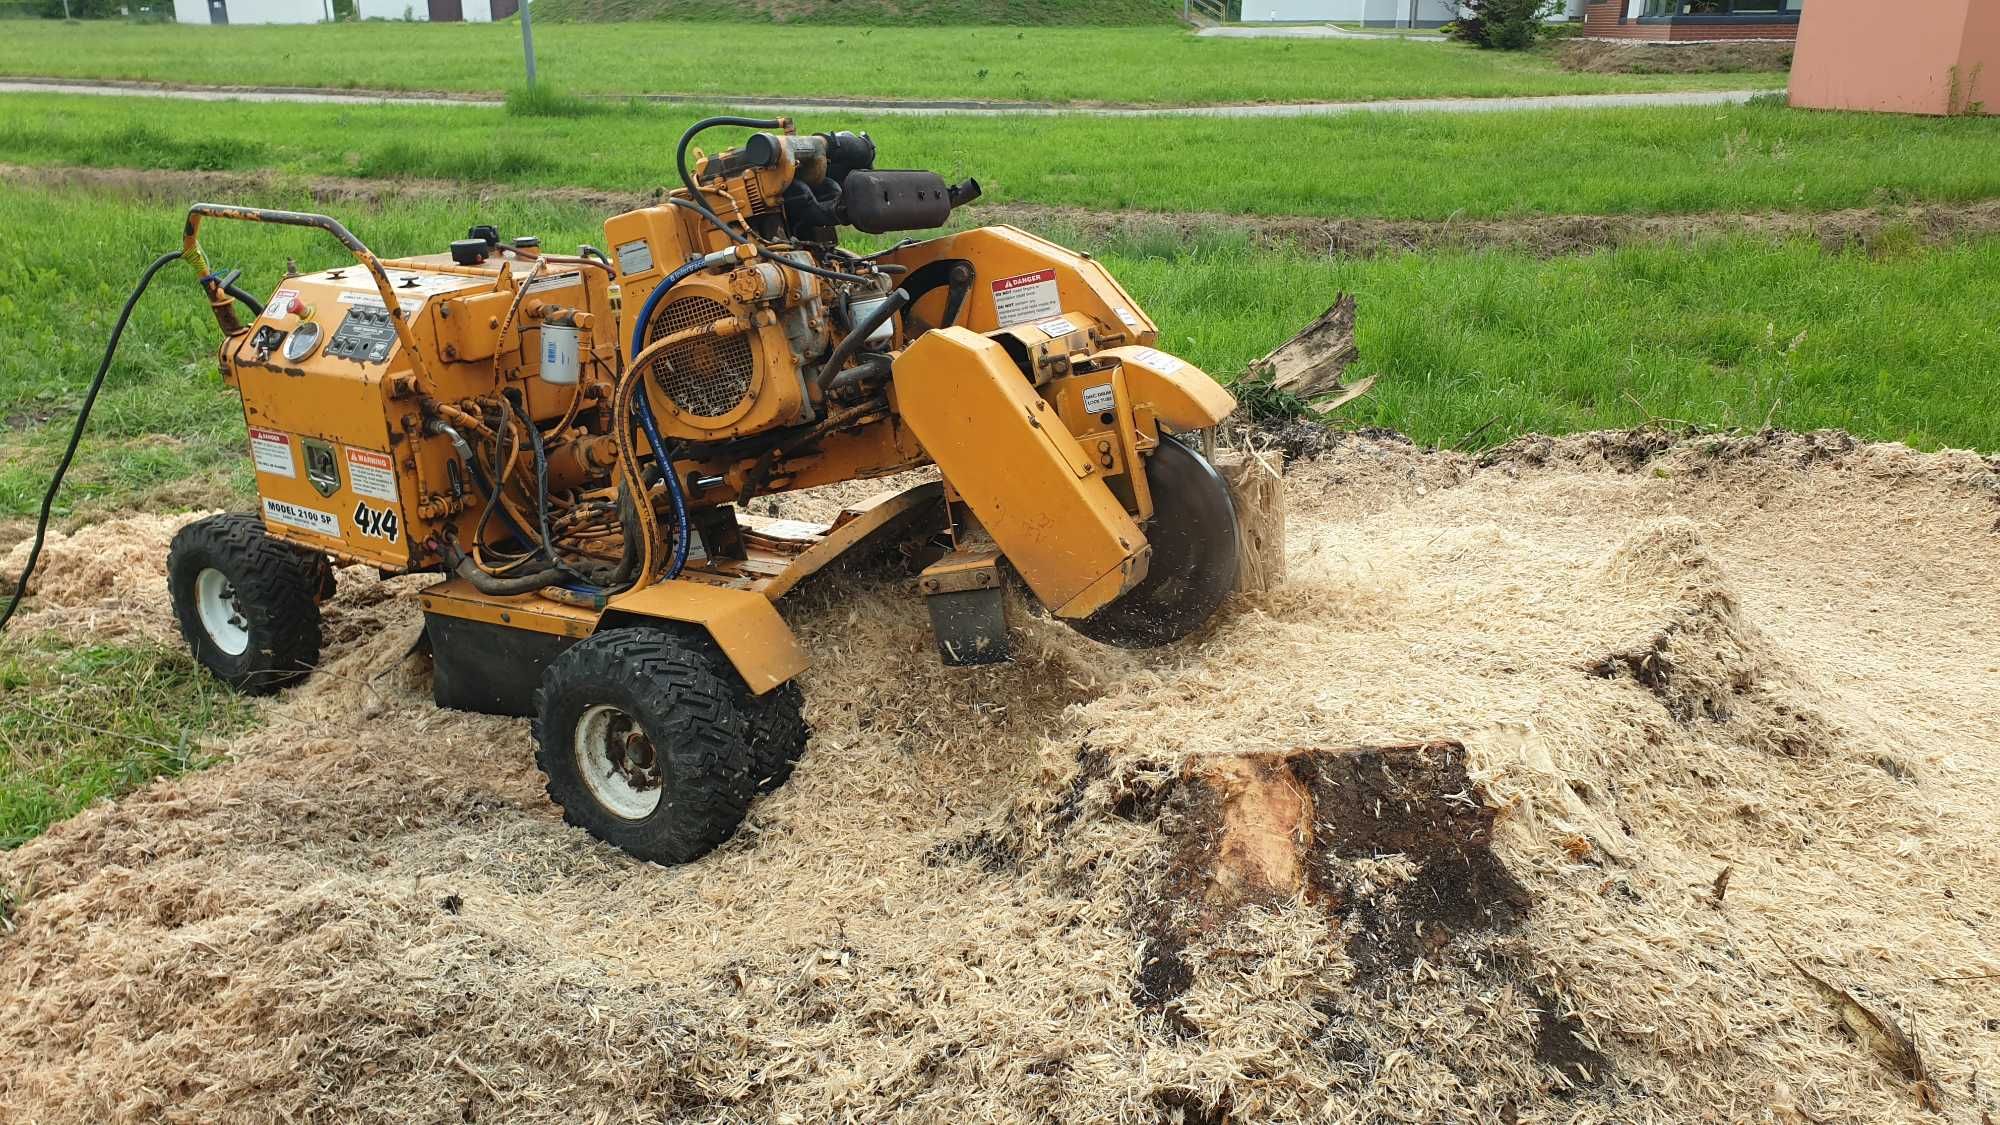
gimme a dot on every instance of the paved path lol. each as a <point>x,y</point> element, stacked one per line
<point>863,105</point>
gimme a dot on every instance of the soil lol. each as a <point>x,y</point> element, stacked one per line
<point>1593,56</point>
<point>1574,679</point>
<point>1543,236</point>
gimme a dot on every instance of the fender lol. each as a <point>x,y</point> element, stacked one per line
<point>743,623</point>
<point>1182,395</point>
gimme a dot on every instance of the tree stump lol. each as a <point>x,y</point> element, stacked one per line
<point>1258,492</point>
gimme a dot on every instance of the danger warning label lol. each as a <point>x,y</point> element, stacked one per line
<point>1025,297</point>
<point>271,452</point>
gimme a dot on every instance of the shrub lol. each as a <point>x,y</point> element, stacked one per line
<point>1507,25</point>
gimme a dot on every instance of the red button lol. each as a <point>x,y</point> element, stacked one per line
<point>295,306</point>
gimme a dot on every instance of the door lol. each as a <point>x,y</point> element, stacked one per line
<point>218,11</point>
<point>504,8</point>
<point>447,11</point>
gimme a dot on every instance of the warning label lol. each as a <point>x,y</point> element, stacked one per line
<point>280,303</point>
<point>1024,297</point>
<point>1099,398</point>
<point>371,474</point>
<point>1157,360</point>
<point>301,517</point>
<point>1057,328</point>
<point>271,451</point>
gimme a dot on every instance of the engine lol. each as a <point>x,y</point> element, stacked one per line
<point>749,287</point>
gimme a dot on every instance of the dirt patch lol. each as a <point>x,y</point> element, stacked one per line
<point>1544,235</point>
<point>371,912</point>
<point>1591,56</point>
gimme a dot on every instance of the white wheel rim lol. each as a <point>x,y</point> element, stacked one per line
<point>618,762</point>
<point>221,617</point>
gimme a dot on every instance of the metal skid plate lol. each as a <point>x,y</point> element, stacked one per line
<point>968,609</point>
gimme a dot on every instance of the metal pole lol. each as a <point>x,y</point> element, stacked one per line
<point>527,39</point>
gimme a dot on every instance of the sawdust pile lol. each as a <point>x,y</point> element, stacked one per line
<point>1728,711</point>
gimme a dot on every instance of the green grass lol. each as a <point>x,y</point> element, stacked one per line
<point>80,723</point>
<point>1148,65</point>
<point>1404,166</point>
<point>1727,333</point>
<point>872,13</point>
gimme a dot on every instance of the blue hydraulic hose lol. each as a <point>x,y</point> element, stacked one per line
<point>652,427</point>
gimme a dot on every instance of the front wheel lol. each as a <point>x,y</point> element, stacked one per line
<point>649,743</point>
<point>247,603</point>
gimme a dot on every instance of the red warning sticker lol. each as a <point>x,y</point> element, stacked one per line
<point>1028,296</point>
<point>271,452</point>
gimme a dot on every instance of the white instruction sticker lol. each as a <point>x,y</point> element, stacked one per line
<point>634,257</point>
<point>280,303</point>
<point>1056,329</point>
<point>555,281</point>
<point>371,474</point>
<point>301,517</point>
<point>1099,398</point>
<point>271,451</point>
<point>1125,315</point>
<point>1158,360</point>
<point>1028,296</point>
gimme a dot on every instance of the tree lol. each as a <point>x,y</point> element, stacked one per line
<point>1507,25</point>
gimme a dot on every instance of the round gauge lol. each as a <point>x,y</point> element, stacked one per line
<point>303,340</point>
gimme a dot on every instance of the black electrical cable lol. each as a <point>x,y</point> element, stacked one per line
<point>687,178</point>
<point>76,435</point>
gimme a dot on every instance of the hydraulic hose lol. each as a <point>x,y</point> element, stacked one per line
<point>851,343</point>
<point>643,405</point>
<point>463,566</point>
<point>695,197</point>
<point>76,434</point>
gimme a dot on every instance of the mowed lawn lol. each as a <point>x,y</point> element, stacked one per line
<point>1141,65</point>
<point>1400,166</point>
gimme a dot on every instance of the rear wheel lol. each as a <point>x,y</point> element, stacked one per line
<point>247,603</point>
<point>648,742</point>
<point>1193,568</point>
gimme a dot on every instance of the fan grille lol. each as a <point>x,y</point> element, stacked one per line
<point>708,375</point>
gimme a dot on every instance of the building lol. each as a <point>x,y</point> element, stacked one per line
<point>321,11</point>
<point>253,11</point>
<point>1938,57</point>
<point>1370,13</point>
<point>1688,21</point>
<point>438,11</point>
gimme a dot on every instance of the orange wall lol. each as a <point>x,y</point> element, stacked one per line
<point>1899,58</point>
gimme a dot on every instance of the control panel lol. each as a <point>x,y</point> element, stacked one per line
<point>366,335</point>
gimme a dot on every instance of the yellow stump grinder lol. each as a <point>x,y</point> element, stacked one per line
<point>573,441</point>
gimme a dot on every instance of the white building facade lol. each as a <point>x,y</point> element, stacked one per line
<point>1371,13</point>
<point>253,11</point>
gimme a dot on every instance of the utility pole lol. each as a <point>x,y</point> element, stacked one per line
<point>527,38</point>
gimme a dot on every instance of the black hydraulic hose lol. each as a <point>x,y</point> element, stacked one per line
<point>695,198</point>
<point>463,566</point>
<point>851,343</point>
<point>76,435</point>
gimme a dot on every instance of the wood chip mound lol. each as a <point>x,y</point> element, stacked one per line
<point>1597,779</point>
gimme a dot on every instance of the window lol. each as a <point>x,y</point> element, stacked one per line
<point>1748,9</point>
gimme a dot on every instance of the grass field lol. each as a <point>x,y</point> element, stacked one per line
<point>1727,334</point>
<point>1148,65</point>
<point>80,722</point>
<point>873,13</point>
<point>1422,166</point>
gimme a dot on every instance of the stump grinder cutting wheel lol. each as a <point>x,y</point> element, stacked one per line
<point>571,443</point>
